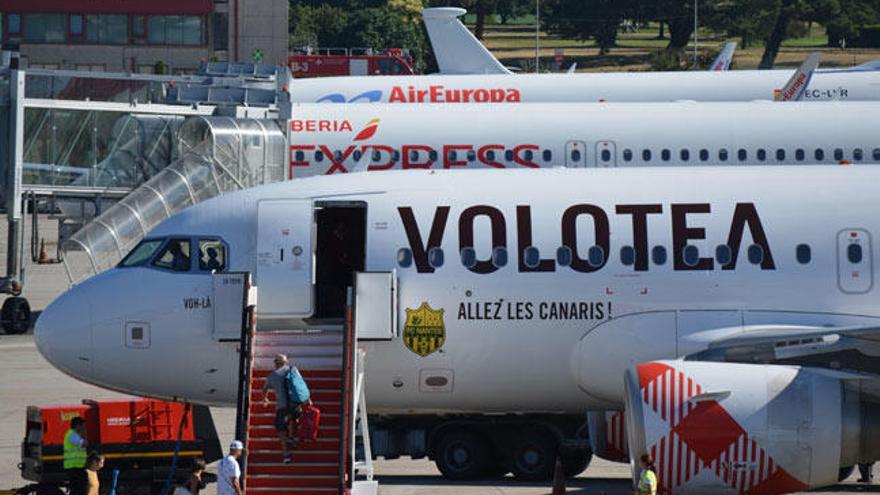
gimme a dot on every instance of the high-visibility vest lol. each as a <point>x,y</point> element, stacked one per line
<point>74,455</point>
<point>647,483</point>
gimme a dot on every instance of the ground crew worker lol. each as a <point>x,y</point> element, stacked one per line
<point>75,456</point>
<point>94,464</point>
<point>647,479</point>
<point>229,472</point>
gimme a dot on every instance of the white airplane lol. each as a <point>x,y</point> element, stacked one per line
<point>731,312</point>
<point>330,139</point>
<point>461,57</point>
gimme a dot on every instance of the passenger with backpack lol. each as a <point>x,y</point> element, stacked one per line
<point>291,392</point>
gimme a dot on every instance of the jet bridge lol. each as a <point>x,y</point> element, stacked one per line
<point>217,155</point>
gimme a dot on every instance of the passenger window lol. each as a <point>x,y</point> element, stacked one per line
<point>413,155</point>
<point>858,154</point>
<point>606,156</point>
<point>404,257</point>
<point>529,155</point>
<point>432,155</point>
<point>819,154</point>
<point>722,155</point>
<point>471,155</point>
<point>319,156</point>
<point>499,257</point>
<point>547,155</point>
<point>658,255</point>
<point>508,155</point>
<point>337,155</point>
<point>742,154</point>
<point>435,257</point>
<point>142,253</point>
<point>395,157</point>
<point>627,255</point>
<point>596,256</point>
<point>563,256</point>
<point>800,155</point>
<point>212,255</point>
<point>762,154</point>
<point>490,155</point>
<point>723,254</point>
<point>575,155</point>
<point>665,155</point>
<point>838,154</point>
<point>532,256</point>
<point>377,155</point>
<point>780,155</point>
<point>646,155</point>
<point>685,155</point>
<point>627,155</point>
<point>804,253</point>
<point>854,253</point>
<point>468,257</point>
<point>175,256</point>
<point>876,154</point>
<point>299,156</point>
<point>704,155</point>
<point>451,155</point>
<point>691,255</point>
<point>357,155</point>
<point>756,254</point>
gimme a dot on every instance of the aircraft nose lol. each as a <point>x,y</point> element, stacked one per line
<point>63,333</point>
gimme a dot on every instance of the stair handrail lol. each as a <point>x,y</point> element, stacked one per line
<point>245,373</point>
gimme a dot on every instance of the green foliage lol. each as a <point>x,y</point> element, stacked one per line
<point>869,37</point>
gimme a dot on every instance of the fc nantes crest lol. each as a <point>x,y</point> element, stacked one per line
<point>424,331</point>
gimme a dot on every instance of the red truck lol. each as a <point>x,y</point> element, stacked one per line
<point>351,62</point>
<point>137,436</point>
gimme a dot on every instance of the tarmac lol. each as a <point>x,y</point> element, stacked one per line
<point>27,379</point>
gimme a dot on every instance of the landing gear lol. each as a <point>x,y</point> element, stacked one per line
<point>845,472</point>
<point>534,456</point>
<point>462,455</point>
<point>576,462</point>
<point>15,315</point>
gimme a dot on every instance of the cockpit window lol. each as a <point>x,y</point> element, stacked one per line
<point>142,253</point>
<point>212,255</point>
<point>175,256</point>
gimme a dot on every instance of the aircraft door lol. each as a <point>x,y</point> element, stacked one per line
<point>606,154</point>
<point>284,258</point>
<point>855,266</point>
<point>575,154</point>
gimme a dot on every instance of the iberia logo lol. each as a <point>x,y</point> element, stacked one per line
<point>424,331</point>
<point>368,131</point>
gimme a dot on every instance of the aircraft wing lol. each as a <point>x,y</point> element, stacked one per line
<point>457,50</point>
<point>851,352</point>
<point>722,62</point>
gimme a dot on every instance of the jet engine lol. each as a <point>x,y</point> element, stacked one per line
<point>748,429</point>
<point>608,435</point>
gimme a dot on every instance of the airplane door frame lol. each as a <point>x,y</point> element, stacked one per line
<point>573,150</point>
<point>855,269</point>
<point>611,148</point>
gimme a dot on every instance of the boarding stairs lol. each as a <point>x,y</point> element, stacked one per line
<point>331,364</point>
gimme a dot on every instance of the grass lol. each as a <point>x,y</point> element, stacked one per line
<point>514,45</point>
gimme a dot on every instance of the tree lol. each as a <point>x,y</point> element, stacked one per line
<point>587,19</point>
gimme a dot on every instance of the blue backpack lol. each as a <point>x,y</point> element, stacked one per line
<point>297,390</point>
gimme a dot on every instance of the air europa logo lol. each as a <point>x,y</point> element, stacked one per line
<point>441,94</point>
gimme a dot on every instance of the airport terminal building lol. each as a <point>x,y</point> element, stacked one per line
<point>144,36</point>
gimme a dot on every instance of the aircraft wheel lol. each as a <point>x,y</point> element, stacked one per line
<point>15,315</point>
<point>461,455</point>
<point>534,456</point>
<point>576,462</point>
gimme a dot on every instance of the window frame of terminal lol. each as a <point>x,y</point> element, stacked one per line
<point>195,264</point>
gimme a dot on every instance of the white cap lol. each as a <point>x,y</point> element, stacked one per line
<point>236,445</point>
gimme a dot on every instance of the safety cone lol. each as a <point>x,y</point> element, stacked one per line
<point>43,258</point>
<point>558,478</point>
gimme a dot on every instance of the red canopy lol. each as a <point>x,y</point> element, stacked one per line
<point>137,7</point>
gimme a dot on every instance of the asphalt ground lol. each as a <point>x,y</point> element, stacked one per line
<point>27,379</point>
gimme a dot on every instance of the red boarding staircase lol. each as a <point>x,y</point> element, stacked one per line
<point>320,467</point>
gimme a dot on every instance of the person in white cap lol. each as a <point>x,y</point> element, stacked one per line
<point>229,472</point>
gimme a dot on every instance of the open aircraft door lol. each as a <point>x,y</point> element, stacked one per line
<point>284,258</point>
<point>375,305</point>
<point>575,154</point>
